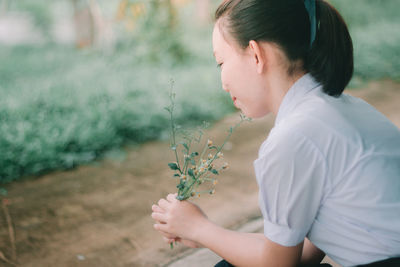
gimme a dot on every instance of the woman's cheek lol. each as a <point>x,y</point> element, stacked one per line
<point>223,81</point>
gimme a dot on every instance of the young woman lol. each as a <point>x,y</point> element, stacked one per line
<point>329,171</point>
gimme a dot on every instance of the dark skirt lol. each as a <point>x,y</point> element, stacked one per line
<point>394,262</point>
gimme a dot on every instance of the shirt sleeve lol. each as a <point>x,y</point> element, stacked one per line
<point>290,172</point>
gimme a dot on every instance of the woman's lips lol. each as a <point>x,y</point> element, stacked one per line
<point>234,100</point>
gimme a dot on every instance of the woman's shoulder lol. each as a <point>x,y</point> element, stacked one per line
<point>286,142</point>
<point>346,119</point>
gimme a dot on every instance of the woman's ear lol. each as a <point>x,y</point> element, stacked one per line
<point>258,55</point>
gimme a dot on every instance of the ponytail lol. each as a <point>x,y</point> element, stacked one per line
<point>287,23</point>
<point>330,59</point>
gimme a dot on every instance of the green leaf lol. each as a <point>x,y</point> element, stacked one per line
<point>214,171</point>
<point>190,172</point>
<point>194,154</point>
<point>176,175</point>
<point>185,145</point>
<point>180,198</point>
<point>173,166</point>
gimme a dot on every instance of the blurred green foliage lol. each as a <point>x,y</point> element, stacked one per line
<point>61,107</point>
<point>374,27</point>
<point>39,10</point>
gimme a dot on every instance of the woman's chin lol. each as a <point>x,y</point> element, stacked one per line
<point>254,115</point>
<point>246,113</point>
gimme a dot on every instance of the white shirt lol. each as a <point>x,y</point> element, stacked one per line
<point>330,170</point>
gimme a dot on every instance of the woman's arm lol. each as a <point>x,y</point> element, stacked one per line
<point>311,255</point>
<point>186,220</point>
<point>247,249</point>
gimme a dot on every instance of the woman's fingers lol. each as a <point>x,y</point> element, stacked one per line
<point>172,197</point>
<point>160,227</point>
<point>157,208</point>
<point>167,235</point>
<point>164,204</point>
<point>160,217</point>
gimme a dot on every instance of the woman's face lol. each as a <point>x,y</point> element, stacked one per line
<point>239,75</point>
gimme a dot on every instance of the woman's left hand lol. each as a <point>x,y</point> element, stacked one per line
<point>168,238</point>
<point>179,218</point>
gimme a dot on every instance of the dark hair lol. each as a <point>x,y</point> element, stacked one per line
<point>287,23</point>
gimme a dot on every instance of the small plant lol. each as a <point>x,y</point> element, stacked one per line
<point>192,169</point>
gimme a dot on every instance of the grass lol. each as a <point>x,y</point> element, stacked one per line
<point>61,107</point>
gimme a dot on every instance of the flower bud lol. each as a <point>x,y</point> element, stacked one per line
<point>209,143</point>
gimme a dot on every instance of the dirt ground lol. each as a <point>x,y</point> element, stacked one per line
<point>99,215</point>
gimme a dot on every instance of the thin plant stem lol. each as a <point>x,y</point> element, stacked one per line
<point>186,164</point>
<point>196,178</point>
<point>2,257</point>
<point>11,232</point>
<point>171,110</point>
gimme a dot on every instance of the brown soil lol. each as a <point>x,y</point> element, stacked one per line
<point>99,215</point>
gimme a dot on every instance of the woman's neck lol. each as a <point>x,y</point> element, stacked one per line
<point>279,84</point>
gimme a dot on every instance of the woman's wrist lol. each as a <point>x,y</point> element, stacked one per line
<point>203,229</point>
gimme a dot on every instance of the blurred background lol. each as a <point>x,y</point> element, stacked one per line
<point>82,81</point>
<point>81,77</point>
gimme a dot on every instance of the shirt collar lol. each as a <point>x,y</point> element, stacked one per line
<point>299,89</point>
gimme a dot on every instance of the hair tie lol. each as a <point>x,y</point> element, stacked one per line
<point>310,7</point>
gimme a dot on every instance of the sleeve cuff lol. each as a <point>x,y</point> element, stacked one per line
<point>283,235</point>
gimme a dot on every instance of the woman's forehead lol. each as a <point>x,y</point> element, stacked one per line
<point>220,41</point>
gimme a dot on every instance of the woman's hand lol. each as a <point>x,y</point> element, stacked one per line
<point>178,219</point>
<point>168,238</point>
